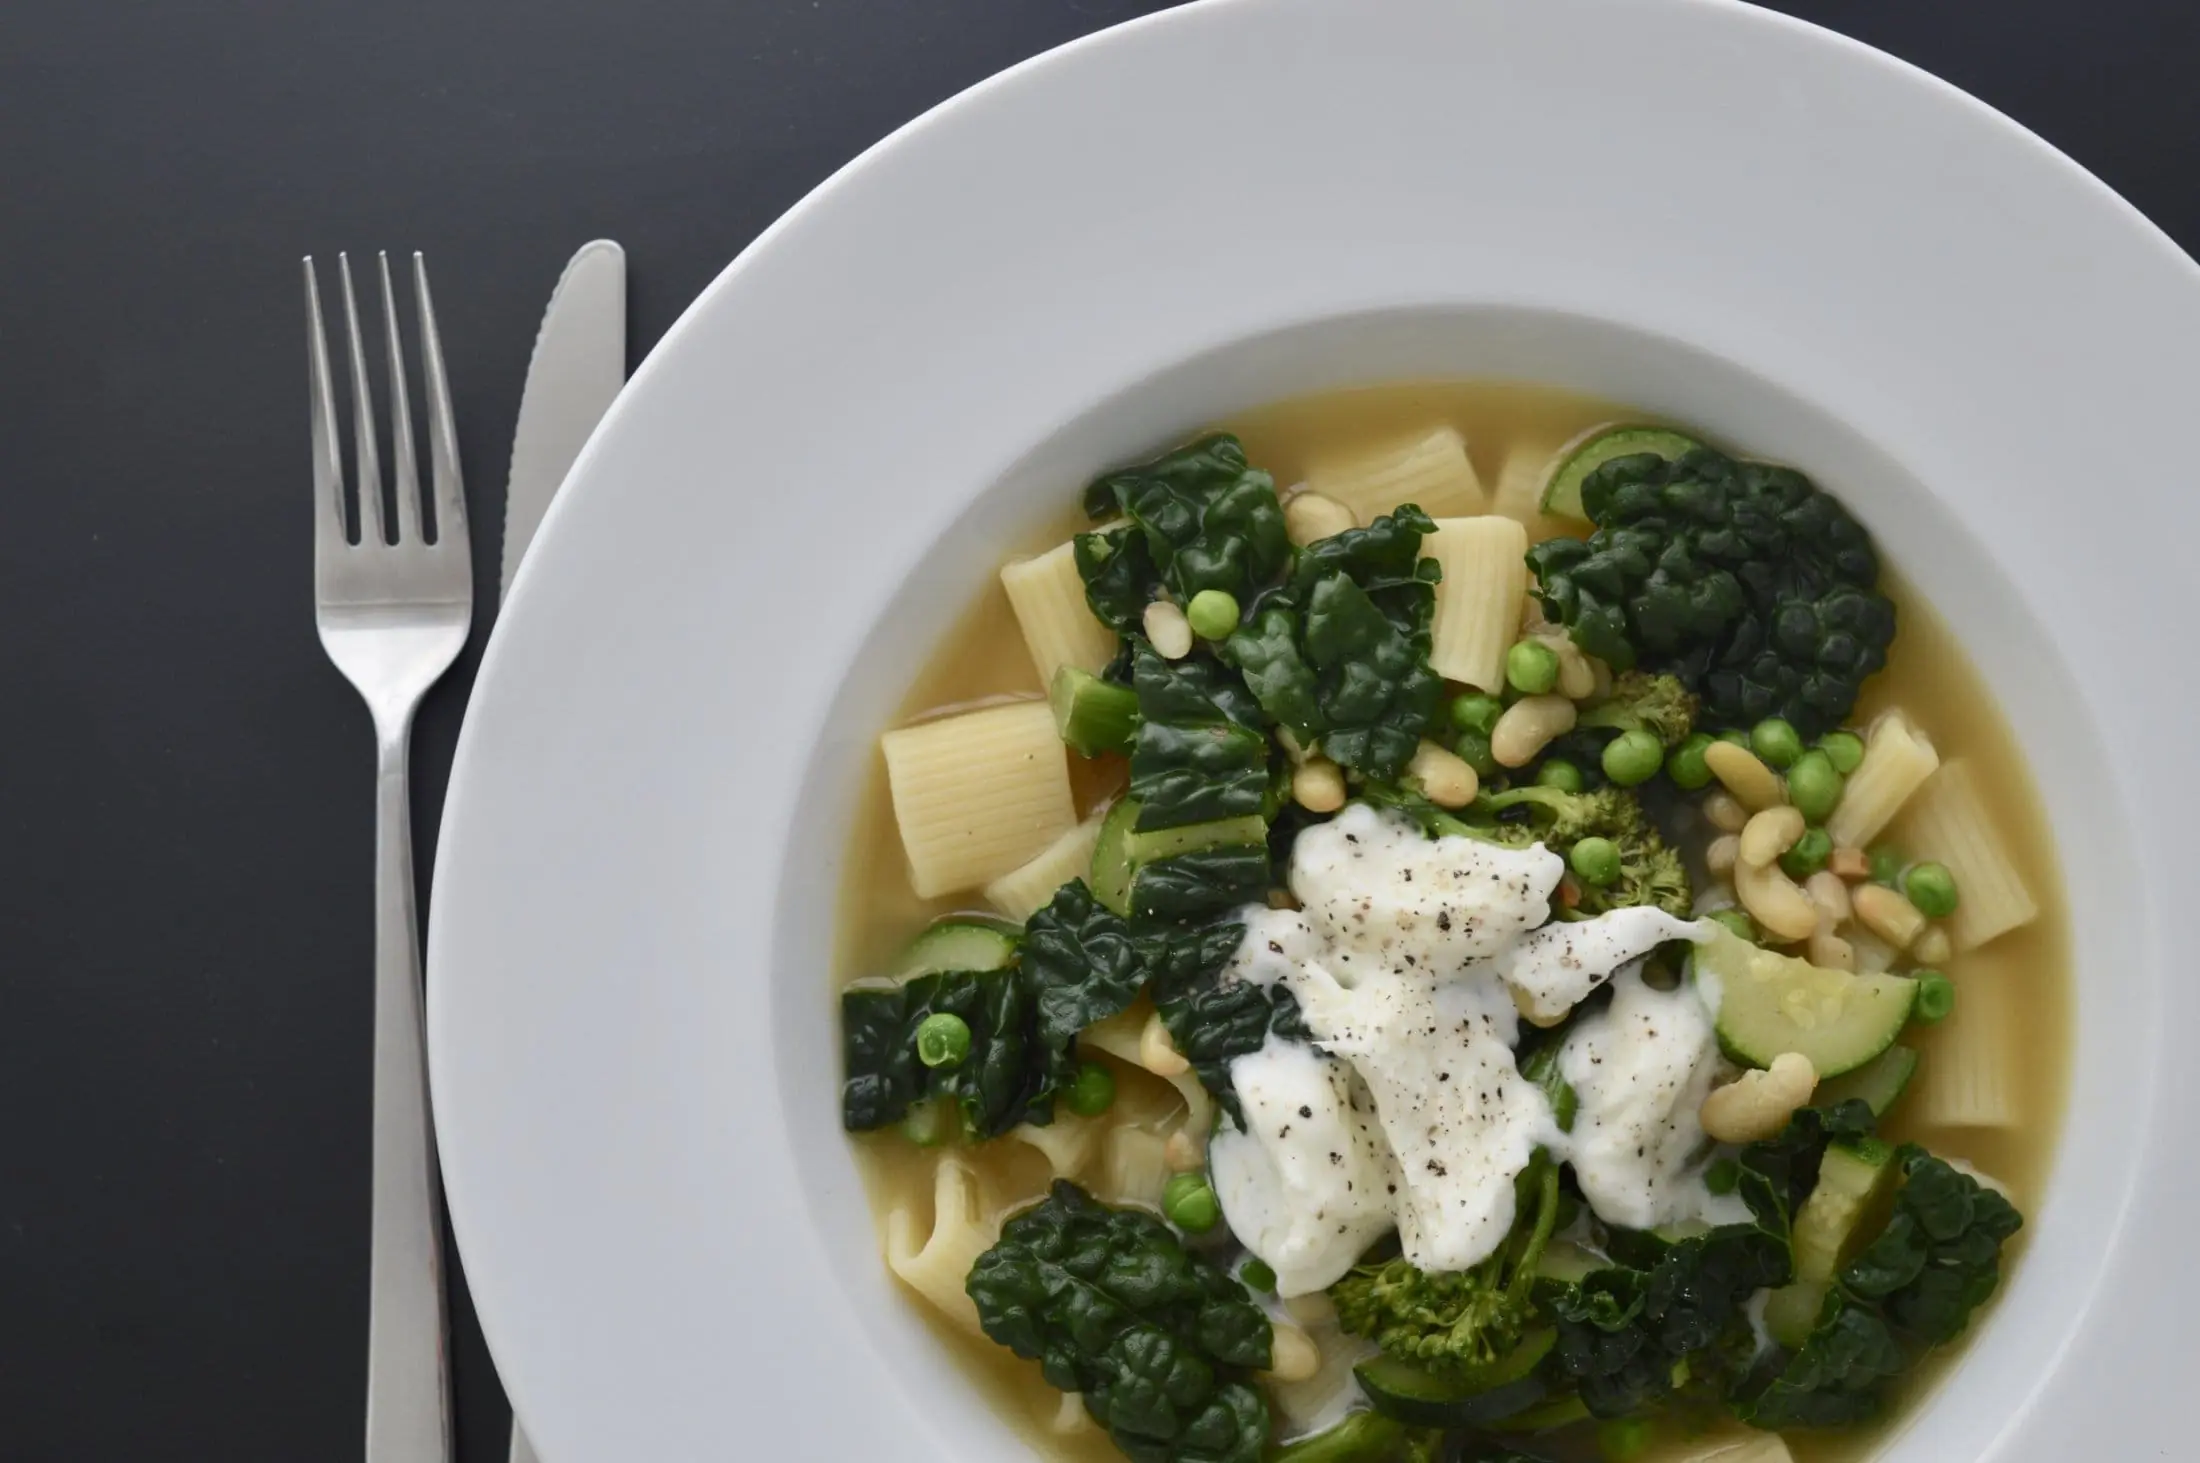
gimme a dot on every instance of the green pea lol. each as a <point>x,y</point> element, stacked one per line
<point>1213,613</point>
<point>1932,889</point>
<point>943,1039</point>
<point>1739,923</point>
<point>1723,1176</point>
<point>1687,767</point>
<point>1624,1439</point>
<point>1092,1091</point>
<point>1473,748</point>
<point>1886,861</point>
<point>1531,667</point>
<point>1809,854</point>
<point>1733,738</point>
<point>1559,773</point>
<point>1476,711</point>
<point>1596,860</point>
<point>1814,786</point>
<point>1776,742</point>
<point>1188,1201</point>
<point>1255,1274</point>
<point>1633,757</point>
<point>1845,749</point>
<point>1936,996</point>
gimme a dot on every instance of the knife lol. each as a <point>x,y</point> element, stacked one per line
<point>578,366</point>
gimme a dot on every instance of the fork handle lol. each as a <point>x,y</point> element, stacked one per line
<point>408,1375</point>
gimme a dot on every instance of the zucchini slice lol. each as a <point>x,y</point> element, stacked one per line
<point>1769,1003</point>
<point>959,942</point>
<point>1590,451</point>
<point>1852,1180</point>
<point>1878,1082</point>
<point>1470,1397</point>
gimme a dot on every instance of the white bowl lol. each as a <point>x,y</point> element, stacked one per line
<point>1698,207</point>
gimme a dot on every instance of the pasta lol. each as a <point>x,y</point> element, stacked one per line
<point>1120,1036</point>
<point>1068,1143</point>
<point>1897,760</point>
<point>1048,597</point>
<point>1027,888</point>
<point>1134,1167</point>
<point>1429,470</point>
<point>1949,824</point>
<point>933,1258</point>
<point>1478,601</point>
<point>978,794</point>
<point>1965,1081</point>
<point>1518,494</point>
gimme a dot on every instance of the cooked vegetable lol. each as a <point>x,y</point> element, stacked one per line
<point>1365,1437</point>
<point>1596,860</point>
<point>943,1040</point>
<point>1650,872</point>
<point>1659,705</point>
<point>1877,1084</point>
<point>1485,574</point>
<point>977,794</point>
<point>1813,785</point>
<point>1936,995</point>
<point>1091,1092</point>
<point>1559,773</point>
<point>1767,1003</point>
<point>1188,1201</point>
<point>1476,711</point>
<point>1119,575</point>
<point>1207,519</point>
<point>1775,741</point>
<point>1210,1019</point>
<point>1686,767</point>
<point>1632,758</point>
<point>1457,1397</point>
<point>1157,1340</point>
<point>1912,1288</point>
<point>1048,595</point>
<point>1176,872</point>
<point>1747,582</point>
<point>958,942</point>
<point>1845,749</point>
<point>1200,754</point>
<point>1082,963</point>
<point>1624,1439</point>
<point>1092,715</point>
<point>1000,1083</point>
<point>1807,855</point>
<point>1852,1178</point>
<point>1531,667</point>
<point>1340,652</point>
<point>1213,614</point>
<point>1570,467</point>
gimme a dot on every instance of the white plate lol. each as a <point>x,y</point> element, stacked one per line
<point>1702,208</point>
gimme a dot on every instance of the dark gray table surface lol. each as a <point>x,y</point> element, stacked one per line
<point>185,793</point>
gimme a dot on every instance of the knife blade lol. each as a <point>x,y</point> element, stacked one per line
<point>578,366</point>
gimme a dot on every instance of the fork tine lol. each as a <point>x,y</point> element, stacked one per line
<point>450,488</point>
<point>328,462</point>
<point>404,464</point>
<point>367,458</point>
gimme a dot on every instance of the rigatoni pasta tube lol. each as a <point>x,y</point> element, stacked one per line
<point>1029,887</point>
<point>1949,824</point>
<point>1478,600</point>
<point>1964,1079</point>
<point>1518,492</point>
<point>1134,1167</point>
<point>1048,596</point>
<point>1428,469</point>
<point>1897,760</point>
<point>978,794</point>
<point>934,1258</point>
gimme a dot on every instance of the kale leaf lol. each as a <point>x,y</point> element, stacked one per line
<point>1000,1084</point>
<point>1212,1017</point>
<point>1112,1306</point>
<point>1200,754</point>
<point>1208,519</point>
<point>1120,579</point>
<point>1339,652</point>
<point>1203,881</point>
<point>1083,964</point>
<point>1754,587</point>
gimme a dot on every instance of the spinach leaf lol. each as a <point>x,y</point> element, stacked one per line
<point>1112,1306</point>
<point>1120,579</point>
<point>1211,1017</point>
<point>1339,652</point>
<point>1083,965</point>
<point>997,1086</point>
<point>1200,755</point>
<point>1209,519</point>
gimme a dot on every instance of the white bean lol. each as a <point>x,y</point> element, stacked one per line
<point>1749,779</point>
<point>1443,775</point>
<point>1887,914</point>
<point>1293,1356</point>
<point>1831,895</point>
<point>1528,726</point>
<point>1318,786</point>
<point>1759,1105</point>
<point>1314,1308</point>
<point>1723,812</point>
<point>1577,679</point>
<point>1828,951</point>
<point>1933,947</point>
<point>1720,856</point>
<point>1310,517</point>
<point>1169,631</point>
<point>1182,1153</point>
<point>1782,909</point>
<point>1769,834</point>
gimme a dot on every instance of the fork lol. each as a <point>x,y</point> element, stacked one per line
<point>393,610</point>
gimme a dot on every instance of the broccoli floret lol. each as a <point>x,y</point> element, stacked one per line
<point>1754,587</point>
<point>1657,704</point>
<point>1650,872</point>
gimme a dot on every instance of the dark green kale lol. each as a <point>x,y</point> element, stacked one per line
<point>1339,652</point>
<point>1202,882</point>
<point>1157,1340</point>
<point>1213,1018</point>
<point>1001,1083</point>
<point>1082,964</point>
<point>1207,518</point>
<point>1754,587</point>
<point>1914,1287</point>
<point>1200,753</point>
<point>1120,578</point>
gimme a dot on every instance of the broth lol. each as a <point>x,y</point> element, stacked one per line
<point>1927,674</point>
